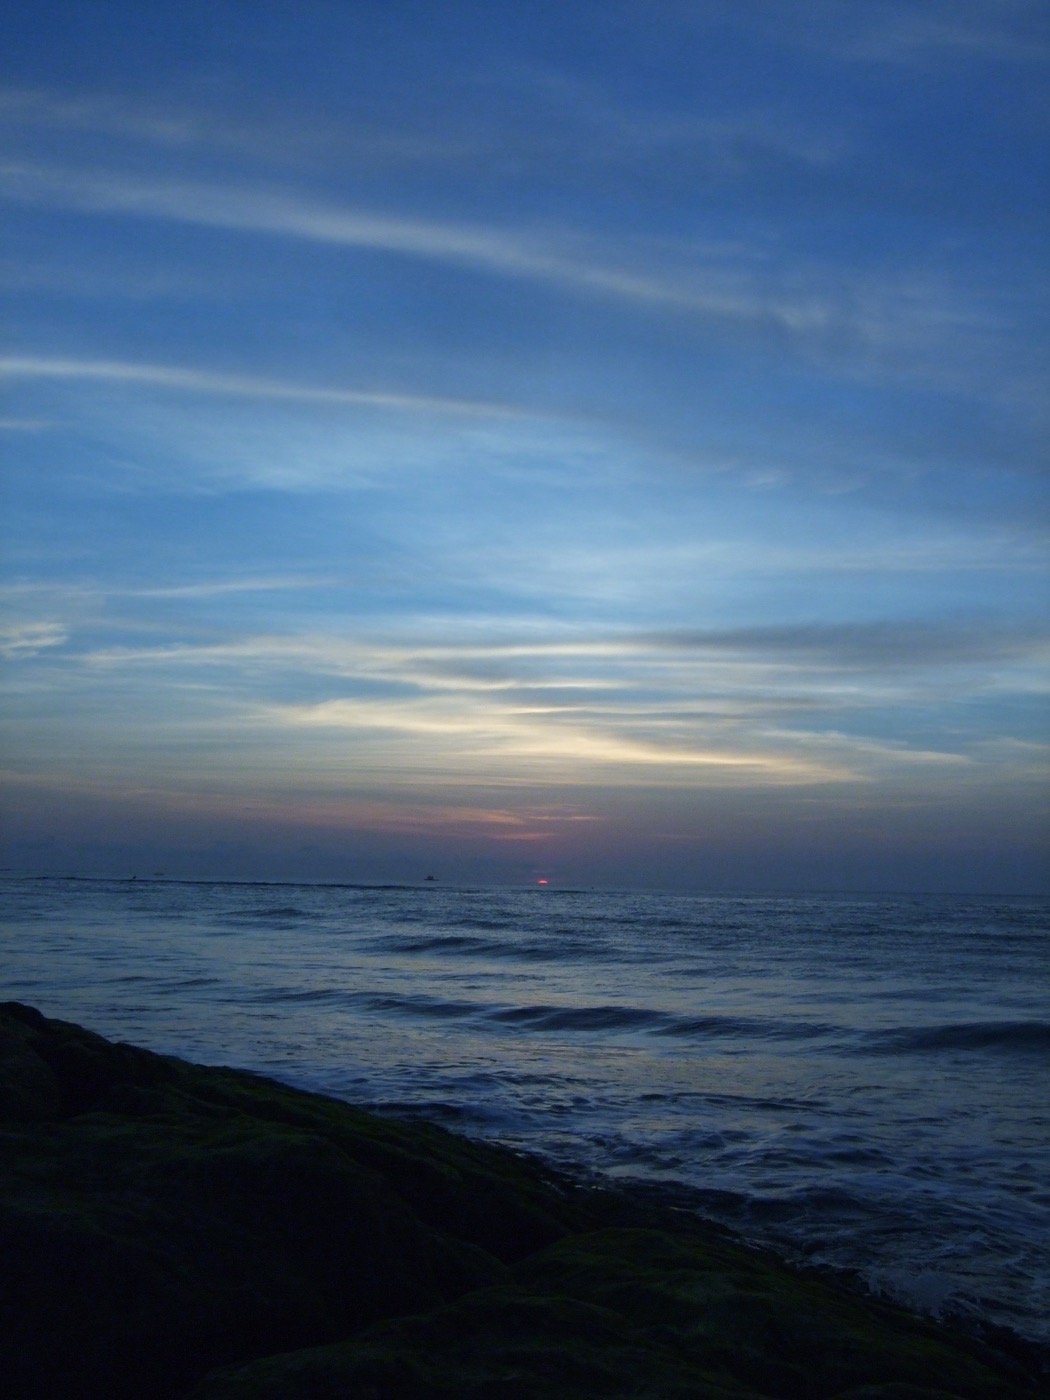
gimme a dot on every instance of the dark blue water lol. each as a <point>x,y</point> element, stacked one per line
<point>859,1081</point>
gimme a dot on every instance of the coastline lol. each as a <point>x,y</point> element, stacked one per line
<point>191,1233</point>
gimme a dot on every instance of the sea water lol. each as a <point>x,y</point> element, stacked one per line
<point>860,1082</point>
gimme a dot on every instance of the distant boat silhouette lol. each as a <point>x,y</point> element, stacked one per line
<point>431,877</point>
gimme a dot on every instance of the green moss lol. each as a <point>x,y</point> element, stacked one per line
<point>502,1343</point>
<point>741,1314</point>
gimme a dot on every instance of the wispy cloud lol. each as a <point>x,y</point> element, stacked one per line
<point>810,650</point>
<point>221,587</point>
<point>160,123</point>
<point>211,124</point>
<point>506,252</point>
<point>902,34</point>
<point>740,288</point>
<point>580,120</point>
<point>72,594</point>
<point>239,386</point>
<point>728,708</point>
<point>418,813</point>
<point>30,638</point>
<point>481,735</point>
<point>872,645</point>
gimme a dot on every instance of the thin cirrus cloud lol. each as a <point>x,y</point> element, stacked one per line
<point>901,35</point>
<point>730,287</point>
<point>787,665</point>
<point>655,685</point>
<point>579,119</point>
<point>547,737</point>
<point>236,386</point>
<point>432,710</point>
<point>30,638</point>
<point>875,645</point>
<point>277,212</point>
<point>434,715</point>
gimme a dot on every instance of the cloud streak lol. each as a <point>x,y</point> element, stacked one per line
<point>738,287</point>
<point>240,386</point>
<point>280,213</point>
<point>681,673</point>
<point>31,638</point>
<point>732,709</point>
<point>872,645</point>
<point>904,36</point>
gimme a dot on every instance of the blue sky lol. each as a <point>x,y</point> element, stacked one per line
<point>594,442</point>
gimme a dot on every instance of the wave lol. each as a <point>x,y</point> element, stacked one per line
<point>749,1027</point>
<point>484,925</point>
<point>607,1017</point>
<point>458,945</point>
<point>821,1204</point>
<point>453,943</point>
<point>423,1006</point>
<point>279,911</point>
<point>283,994</point>
<point>1030,1036</point>
<point>579,1018</point>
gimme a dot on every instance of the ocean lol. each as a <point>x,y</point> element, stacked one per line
<point>858,1082</point>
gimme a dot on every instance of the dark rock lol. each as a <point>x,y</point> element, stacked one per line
<point>28,1087</point>
<point>158,1218</point>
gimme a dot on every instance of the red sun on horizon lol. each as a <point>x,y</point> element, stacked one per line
<point>543,882</point>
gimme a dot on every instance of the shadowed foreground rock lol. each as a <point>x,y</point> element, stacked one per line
<point>168,1230</point>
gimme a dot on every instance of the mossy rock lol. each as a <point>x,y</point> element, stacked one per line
<point>168,1229</point>
<point>639,1314</point>
<point>502,1344</point>
<point>158,1218</point>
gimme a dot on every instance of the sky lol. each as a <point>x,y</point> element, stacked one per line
<point>590,442</point>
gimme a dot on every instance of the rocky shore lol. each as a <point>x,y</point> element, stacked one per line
<point>175,1232</point>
